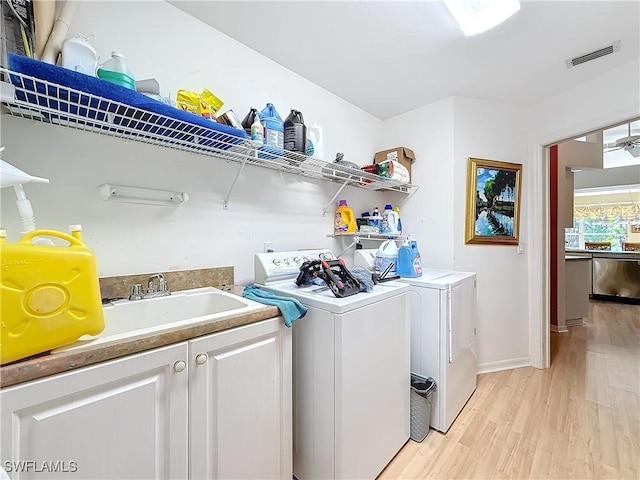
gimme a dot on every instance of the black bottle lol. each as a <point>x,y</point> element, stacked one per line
<point>295,132</point>
<point>248,120</point>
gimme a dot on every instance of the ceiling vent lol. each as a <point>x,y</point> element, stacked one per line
<point>587,57</point>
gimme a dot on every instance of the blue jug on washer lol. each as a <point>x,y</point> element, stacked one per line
<point>409,262</point>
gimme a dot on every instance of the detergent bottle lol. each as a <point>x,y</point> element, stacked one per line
<point>397,210</point>
<point>345,221</point>
<point>415,256</point>
<point>389,224</point>
<point>375,220</point>
<point>273,129</point>
<point>409,264</point>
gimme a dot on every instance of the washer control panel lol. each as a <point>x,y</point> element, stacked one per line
<point>274,267</point>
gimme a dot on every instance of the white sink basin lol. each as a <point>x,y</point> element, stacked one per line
<point>125,319</point>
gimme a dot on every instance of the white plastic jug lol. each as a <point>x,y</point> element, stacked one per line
<point>389,221</point>
<point>386,255</point>
<point>115,70</point>
<point>409,264</point>
<point>78,55</point>
<point>315,144</point>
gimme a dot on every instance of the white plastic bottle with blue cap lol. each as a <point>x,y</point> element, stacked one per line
<point>389,221</point>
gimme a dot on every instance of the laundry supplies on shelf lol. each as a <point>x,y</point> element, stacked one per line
<point>257,130</point>
<point>295,132</point>
<point>315,142</point>
<point>248,120</point>
<point>409,262</point>
<point>273,129</point>
<point>386,259</point>
<point>390,218</point>
<point>115,70</point>
<point>345,221</point>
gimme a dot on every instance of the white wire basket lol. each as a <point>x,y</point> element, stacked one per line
<point>45,101</point>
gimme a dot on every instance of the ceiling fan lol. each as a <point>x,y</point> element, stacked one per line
<point>630,143</point>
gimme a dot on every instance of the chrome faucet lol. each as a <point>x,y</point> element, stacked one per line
<point>159,289</point>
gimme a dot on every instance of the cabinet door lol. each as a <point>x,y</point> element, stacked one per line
<point>125,418</point>
<point>240,403</point>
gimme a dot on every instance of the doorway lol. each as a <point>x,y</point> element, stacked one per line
<point>621,138</point>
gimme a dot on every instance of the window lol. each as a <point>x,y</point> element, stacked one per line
<point>596,230</point>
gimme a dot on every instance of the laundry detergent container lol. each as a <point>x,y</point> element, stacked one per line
<point>49,296</point>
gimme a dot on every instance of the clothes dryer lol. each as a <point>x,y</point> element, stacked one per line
<point>443,338</point>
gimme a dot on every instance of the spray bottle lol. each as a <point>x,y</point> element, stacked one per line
<point>257,130</point>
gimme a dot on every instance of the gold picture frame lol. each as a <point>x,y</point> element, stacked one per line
<point>493,202</point>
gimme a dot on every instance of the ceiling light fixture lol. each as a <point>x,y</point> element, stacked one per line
<point>477,16</point>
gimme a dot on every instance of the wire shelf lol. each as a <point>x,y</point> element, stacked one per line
<point>44,101</point>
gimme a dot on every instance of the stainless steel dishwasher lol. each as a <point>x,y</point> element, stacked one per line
<point>616,275</point>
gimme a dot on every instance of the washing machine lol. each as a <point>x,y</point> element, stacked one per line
<point>443,309</point>
<point>351,372</point>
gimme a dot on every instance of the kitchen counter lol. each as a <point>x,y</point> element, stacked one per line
<point>602,254</point>
<point>45,364</point>
<point>613,275</point>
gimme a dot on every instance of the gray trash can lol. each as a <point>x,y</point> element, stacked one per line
<point>422,390</point>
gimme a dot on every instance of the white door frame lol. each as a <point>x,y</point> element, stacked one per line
<point>539,260</point>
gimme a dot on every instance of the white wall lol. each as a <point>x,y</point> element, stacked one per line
<point>427,214</point>
<point>496,132</point>
<point>161,41</point>
<point>443,136</point>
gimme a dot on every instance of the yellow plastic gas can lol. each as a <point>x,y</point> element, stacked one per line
<point>49,296</point>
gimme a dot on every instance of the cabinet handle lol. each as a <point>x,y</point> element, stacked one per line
<point>201,358</point>
<point>180,365</point>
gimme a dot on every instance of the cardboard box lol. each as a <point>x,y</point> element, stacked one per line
<point>403,155</point>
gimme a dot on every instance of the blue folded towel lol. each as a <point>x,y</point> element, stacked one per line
<point>290,308</point>
<point>364,277</point>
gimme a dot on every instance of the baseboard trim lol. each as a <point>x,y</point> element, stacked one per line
<point>575,322</point>
<point>504,365</point>
<point>557,329</point>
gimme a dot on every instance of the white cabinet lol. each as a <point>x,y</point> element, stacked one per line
<point>125,418</point>
<point>218,406</point>
<point>577,289</point>
<point>240,403</point>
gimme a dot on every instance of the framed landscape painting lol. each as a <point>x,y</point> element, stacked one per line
<point>493,202</point>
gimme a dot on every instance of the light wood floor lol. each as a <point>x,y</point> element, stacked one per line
<point>579,419</point>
